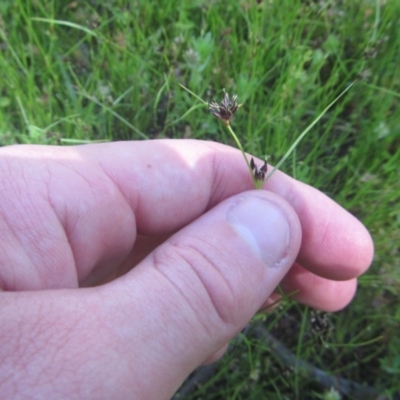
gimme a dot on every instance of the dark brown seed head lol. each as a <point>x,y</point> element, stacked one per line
<point>259,172</point>
<point>225,109</point>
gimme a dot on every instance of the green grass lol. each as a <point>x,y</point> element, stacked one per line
<point>86,71</point>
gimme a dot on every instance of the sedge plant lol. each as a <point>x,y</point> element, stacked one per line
<point>227,108</point>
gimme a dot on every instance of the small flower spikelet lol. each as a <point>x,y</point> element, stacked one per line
<point>226,109</point>
<point>259,172</point>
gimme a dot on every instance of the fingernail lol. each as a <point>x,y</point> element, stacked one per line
<point>264,225</point>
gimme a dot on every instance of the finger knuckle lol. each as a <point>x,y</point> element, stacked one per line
<point>199,271</point>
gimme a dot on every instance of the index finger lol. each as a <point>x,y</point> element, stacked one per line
<point>169,183</point>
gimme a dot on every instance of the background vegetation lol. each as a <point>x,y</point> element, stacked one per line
<point>81,71</point>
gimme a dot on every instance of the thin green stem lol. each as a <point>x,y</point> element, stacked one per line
<point>257,184</point>
<point>193,94</point>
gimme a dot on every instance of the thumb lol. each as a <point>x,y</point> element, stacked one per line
<point>202,286</point>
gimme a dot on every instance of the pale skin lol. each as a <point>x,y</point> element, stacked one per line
<point>119,276</point>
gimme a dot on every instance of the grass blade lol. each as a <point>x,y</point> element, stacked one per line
<point>304,133</point>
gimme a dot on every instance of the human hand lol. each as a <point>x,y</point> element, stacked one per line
<point>207,253</point>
